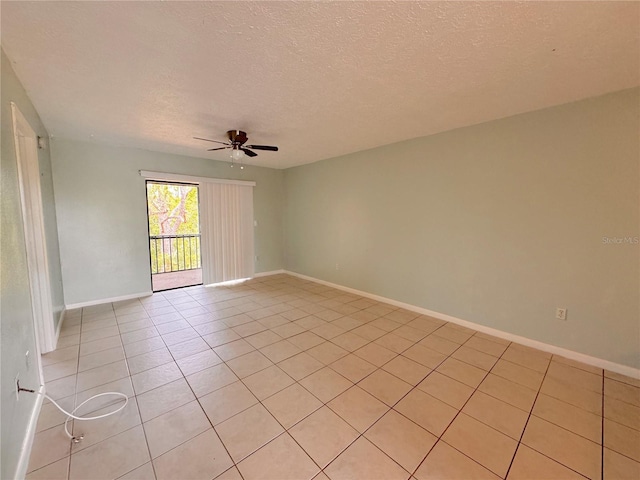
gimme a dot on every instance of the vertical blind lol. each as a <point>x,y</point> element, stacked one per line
<point>226,213</point>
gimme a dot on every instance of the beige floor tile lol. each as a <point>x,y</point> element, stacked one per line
<point>401,439</point>
<point>385,324</point>
<point>622,391</point>
<point>529,464</point>
<point>427,411</point>
<point>310,322</point>
<point>227,402</point>
<point>137,335</point>
<point>622,439</point>
<point>62,387</point>
<point>101,375</point>
<point>267,382</point>
<point>231,350</point>
<point>375,354</point>
<point>575,377</point>
<point>328,331</point>
<point>50,416</point>
<point>363,460</point>
<point>619,467</point>
<point>104,357</point>
<point>463,372</point>
<point>369,332</point>
<point>210,379</point>
<point>111,458</point>
<point>61,354</point>
<point>248,329</point>
<point>509,392</point>
<point>567,448</point>
<point>622,412</point>
<point>475,358</point>
<point>201,457</point>
<point>518,374</point>
<point>198,362</point>
<point>188,348</point>
<point>358,408</point>
<point>280,351</point>
<point>263,339</point>
<point>49,446</point>
<point>410,333</point>
<point>424,356</point>
<point>407,370</point>
<point>144,472</point>
<point>439,344</point>
<point>446,463</point>
<point>280,459</point>
<point>249,364</point>
<point>481,344</point>
<point>95,346</point>
<point>446,389</point>
<point>60,370</point>
<point>349,341</point>
<point>300,366</point>
<point>535,360</point>
<point>347,323</point>
<point>579,397</point>
<point>352,367</point>
<point>497,414</point>
<point>455,333</point>
<point>288,330</point>
<point>94,335</point>
<point>325,384</point>
<point>165,328</point>
<point>572,418</point>
<point>323,435</point>
<point>483,444</point>
<point>164,399</point>
<point>576,364</point>
<point>291,405</point>
<point>273,321</point>
<point>394,342</point>
<point>385,387</point>
<point>54,471</point>
<point>220,337</point>
<point>149,360</point>
<point>246,432</point>
<point>327,352</point>
<point>143,346</point>
<point>622,378</point>
<point>175,427</point>
<point>95,431</point>
<point>155,377</point>
<point>231,474</point>
<point>305,340</point>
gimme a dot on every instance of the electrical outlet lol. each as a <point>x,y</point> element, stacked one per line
<point>16,382</point>
<point>561,313</point>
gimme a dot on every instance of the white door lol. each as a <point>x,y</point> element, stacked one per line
<point>26,143</point>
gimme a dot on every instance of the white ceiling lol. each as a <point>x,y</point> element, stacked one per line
<point>317,79</point>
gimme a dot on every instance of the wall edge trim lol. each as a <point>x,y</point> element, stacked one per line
<point>90,303</point>
<point>27,444</point>
<point>267,274</point>
<point>546,347</point>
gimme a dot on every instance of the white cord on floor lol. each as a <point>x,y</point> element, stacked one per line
<point>71,415</point>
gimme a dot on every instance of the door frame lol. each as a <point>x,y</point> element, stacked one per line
<point>26,148</point>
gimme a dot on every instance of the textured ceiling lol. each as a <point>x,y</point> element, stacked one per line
<point>317,79</point>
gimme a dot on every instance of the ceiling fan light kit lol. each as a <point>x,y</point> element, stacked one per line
<point>237,140</point>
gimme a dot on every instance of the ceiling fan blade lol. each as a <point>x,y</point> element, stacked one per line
<point>218,148</point>
<point>214,141</point>
<point>249,152</point>
<point>263,147</point>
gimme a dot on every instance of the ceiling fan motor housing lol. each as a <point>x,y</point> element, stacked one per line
<point>237,137</point>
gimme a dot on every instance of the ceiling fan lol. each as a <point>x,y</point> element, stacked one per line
<point>237,140</point>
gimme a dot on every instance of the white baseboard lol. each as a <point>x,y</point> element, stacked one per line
<point>107,300</point>
<point>545,347</point>
<point>267,274</point>
<point>27,444</point>
<point>60,321</point>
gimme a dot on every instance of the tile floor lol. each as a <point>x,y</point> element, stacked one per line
<point>281,378</point>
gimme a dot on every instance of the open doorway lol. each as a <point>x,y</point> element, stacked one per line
<point>174,235</point>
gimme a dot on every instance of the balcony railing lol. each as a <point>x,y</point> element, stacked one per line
<point>174,253</point>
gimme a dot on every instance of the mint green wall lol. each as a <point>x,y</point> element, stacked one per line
<point>102,214</point>
<point>15,299</point>
<point>498,224</point>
